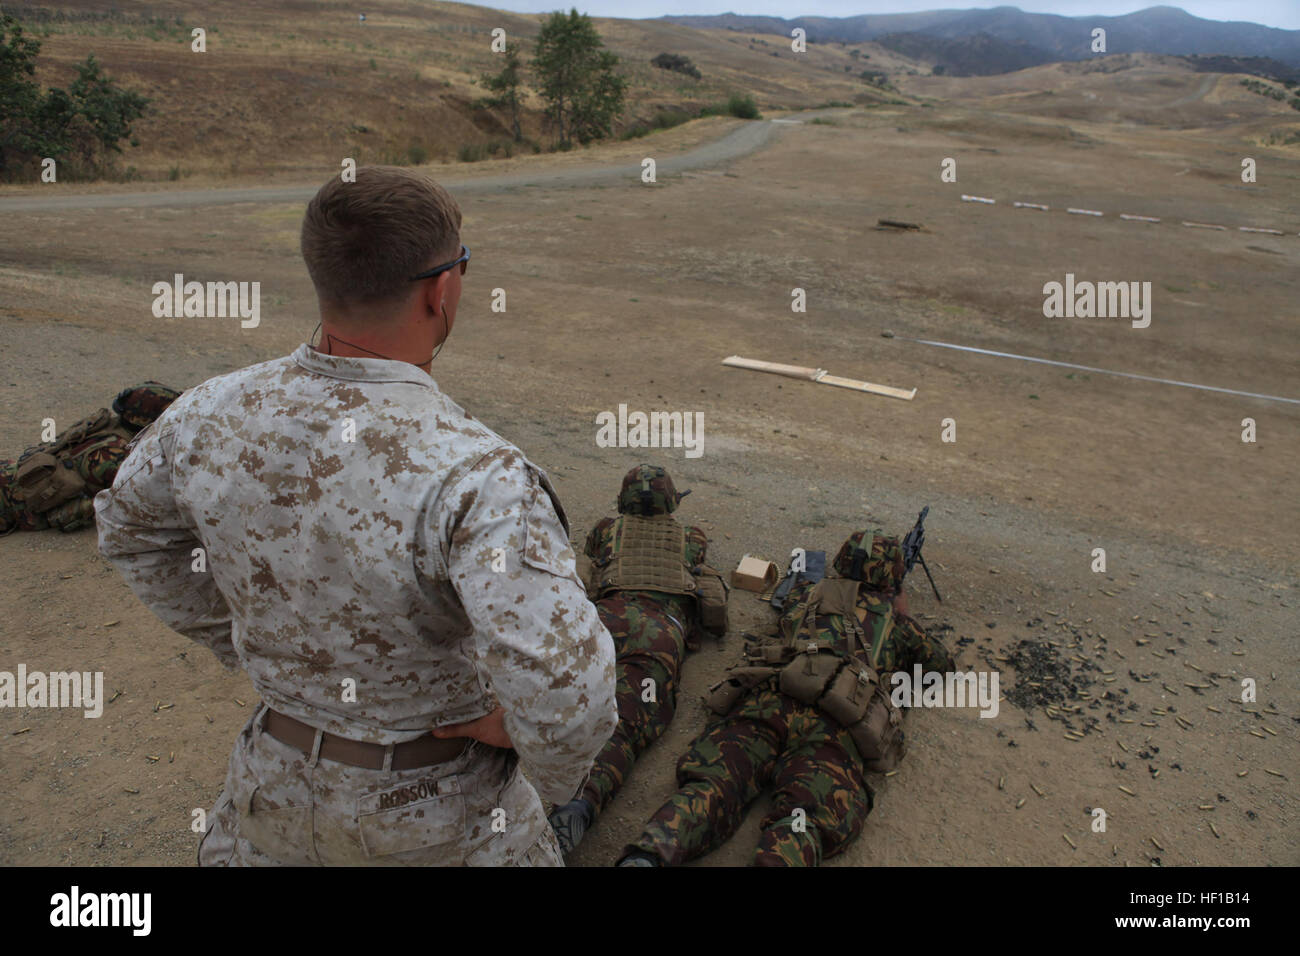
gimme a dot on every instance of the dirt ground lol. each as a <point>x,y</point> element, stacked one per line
<point>631,293</point>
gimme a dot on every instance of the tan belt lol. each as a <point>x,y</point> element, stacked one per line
<point>422,752</point>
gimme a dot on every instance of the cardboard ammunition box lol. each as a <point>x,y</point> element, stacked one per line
<point>754,574</point>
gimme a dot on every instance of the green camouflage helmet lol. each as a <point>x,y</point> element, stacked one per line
<point>141,404</point>
<point>647,490</point>
<point>872,557</point>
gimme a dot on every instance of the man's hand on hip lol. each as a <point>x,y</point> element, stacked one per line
<point>489,729</point>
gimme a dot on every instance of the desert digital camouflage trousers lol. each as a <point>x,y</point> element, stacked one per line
<point>277,809</point>
<point>650,644</point>
<point>810,762</point>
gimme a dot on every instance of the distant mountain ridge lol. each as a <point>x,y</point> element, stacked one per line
<point>1007,38</point>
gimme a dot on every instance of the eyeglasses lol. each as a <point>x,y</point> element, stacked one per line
<point>462,260</point>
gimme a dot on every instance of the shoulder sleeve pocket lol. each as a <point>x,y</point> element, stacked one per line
<point>546,536</point>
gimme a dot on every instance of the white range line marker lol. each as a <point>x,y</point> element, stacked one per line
<point>1125,215</point>
<point>1030,205</point>
<point>1100,371</point>
<point>984,199</point>
<point>1204,225</point>
<point>1085,212</point>
<point>819,375</point>
<point>1271,232</point>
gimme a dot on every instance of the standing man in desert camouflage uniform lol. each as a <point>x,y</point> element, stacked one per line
<point>767,731</point>
<point>655,593</point>
<point>395,578</point>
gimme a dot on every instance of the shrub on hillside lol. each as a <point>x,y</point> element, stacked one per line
<point>742,107</point>
<point>677,63</point>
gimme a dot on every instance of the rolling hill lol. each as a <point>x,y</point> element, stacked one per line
<point>1009,39</point>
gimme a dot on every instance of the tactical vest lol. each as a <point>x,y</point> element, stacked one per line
<point>81,461</point>
<point>649,554</point>
<point>844,686</point>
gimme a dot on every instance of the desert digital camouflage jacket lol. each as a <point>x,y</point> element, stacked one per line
<point>357,523</point>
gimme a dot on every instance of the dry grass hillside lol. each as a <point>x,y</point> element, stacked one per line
<point>287,86</point>
<point>1124,91</point>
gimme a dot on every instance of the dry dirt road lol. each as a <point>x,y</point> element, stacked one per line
<point>626,293</point>
<point>740,141</point>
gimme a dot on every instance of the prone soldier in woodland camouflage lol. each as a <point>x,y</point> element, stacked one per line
<point>655,593</point>
<point>53,484</point>
<point>809,713</point>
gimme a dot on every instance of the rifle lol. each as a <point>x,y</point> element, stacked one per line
<point>912,545</point>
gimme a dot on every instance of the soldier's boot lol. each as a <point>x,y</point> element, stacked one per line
<point>570,823</point>
<point>640,858</point>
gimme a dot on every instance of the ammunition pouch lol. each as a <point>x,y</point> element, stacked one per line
<point>56,472</point>
<point>43,482</point>
<point>848,692</point>
<point>711,590</point>
<point>770,654</point>
<point>810,673</point>
<point>879,734</point>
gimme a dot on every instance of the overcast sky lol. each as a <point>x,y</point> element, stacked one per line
<point>1273,13</point>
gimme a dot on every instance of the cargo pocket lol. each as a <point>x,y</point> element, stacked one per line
<point>545,852</point>
<point>515,824</point>
<point>217,845</point>
<point>417,823</point>
<point>282,833</point>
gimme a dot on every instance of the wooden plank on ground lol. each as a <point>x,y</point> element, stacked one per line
<point>820,376</point>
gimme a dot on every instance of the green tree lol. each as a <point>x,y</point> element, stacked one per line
<point>90,118</point>
<point>108,110</point>
<point>577,78</point>
<point>20,96</point>
<point>506,87</point>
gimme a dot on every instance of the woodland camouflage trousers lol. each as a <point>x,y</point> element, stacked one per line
<point>820,798</point>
